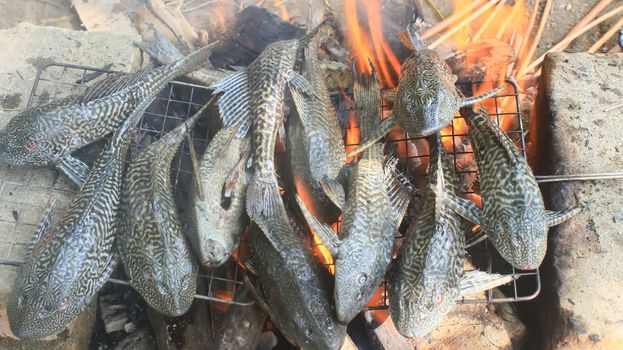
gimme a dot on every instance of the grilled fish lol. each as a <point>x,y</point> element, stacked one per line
<point>315,143</point>
<point>71,260</point>
<point>513,215</point>
<point>427,276</point>
<point>426,98</point>
<point>254,98</point>
<point>48,134</point>
<point>217,219</point>
<point>155,253</point>
<point>375,205</point>
<point>295,288</point>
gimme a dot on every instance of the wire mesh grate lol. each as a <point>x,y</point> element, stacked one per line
<point>20,215</point>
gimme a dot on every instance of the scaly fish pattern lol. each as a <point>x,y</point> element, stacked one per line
<point>315,143</point>
<point>513,215</point>
<point>217,216</point>
<point>426,98</point>
<point>155,252</point>
<point>374,208</point>
<point>71,260</point>
<point>254,98</point>
<point>294,288</point>
<point>48,134</point>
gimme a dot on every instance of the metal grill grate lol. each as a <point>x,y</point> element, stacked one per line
<point>20,215</point>
<point>26,190</point>
<point>413,160</point>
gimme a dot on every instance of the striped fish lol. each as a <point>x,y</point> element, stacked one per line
<point>427,276</point>
<point>156,255</point>
<point>513,215</point>
<point>315,144</point>
<point>373,211</point>
<point>253,98</point>
<point>71,260</point>
<point>426,99</point>
<point>48,134</point>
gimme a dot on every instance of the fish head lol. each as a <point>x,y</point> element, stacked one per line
<point>29,138</point>
<point>520,239</point>
<point>426,100</point>
<point>167,287</point>
<point>37,311</point>
<point>420,313</point>
<point>213,253</point>
<point>357,276</point>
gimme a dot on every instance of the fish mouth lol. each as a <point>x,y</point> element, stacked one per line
<point>214,254</point>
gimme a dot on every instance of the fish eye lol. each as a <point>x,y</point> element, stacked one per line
<point>45,311</point>
<point>31,144</point>
<point>64,303</point>
<point>149,277</point>
<point>362,278</point>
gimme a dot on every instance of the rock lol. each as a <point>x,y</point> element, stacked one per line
<point>479,326</point>
<point>24,191</point>
<point>582,301</point>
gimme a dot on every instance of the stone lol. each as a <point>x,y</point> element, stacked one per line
<point>479,326</point>
<point>582,303</point>
<point>24,191</point>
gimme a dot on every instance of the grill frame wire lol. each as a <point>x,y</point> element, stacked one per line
<point>168,97</point>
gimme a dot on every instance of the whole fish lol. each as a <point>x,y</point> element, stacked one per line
<point>427,276</point>
<point>242,326</point>
<point>254,98</point>
<point>71,260</point>
<point>217,218</point>
<point>48,134</point>
<point>513,215</point>
<point>315,143</point>
<point>295,289</point>
<point>374,208</point>
<point>426,98</point>
<point>156,255</point>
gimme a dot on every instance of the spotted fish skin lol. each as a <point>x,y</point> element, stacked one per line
<point>513,215</point>
<point>156,255</point>
<point>315,142</point>
<point>295,287</point>
<point>44,135</point>
<point>73,259</point>
<point>425,277</point>
<point>217,220</point>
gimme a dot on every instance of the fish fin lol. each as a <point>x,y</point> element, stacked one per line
<point>465,208</point>
<point>196,168</point>
<point>44,226</point>
<point>75,169</point>
<point>263,198</point>
<point>389,94</point>
<point>323,231</point>
<point>114,83</point>
<point>478,281</point>
<point>405,40</point>
<point>474,236</point>
<point>234,104</point>
<point>298,82</point>
<point>398,188</point>
<point>386,125</point>
<point>302,108</point>
<point>469,101</point>
<point>558,217</point>
<point>335,192</point>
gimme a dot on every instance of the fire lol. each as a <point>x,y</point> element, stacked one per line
<point>223,295</point>
<point>370,44</point>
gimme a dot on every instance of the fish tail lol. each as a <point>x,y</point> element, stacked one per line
<point>191,62</point>
<point>263,197</point>
<point>367,94</point>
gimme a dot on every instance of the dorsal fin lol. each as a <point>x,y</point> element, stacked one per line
<point>114,83</point>
<point>405,40</point>
<point>398,188</point>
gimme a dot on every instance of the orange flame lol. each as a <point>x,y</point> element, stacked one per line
<point>224,295</point>
<point>371,46</point>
